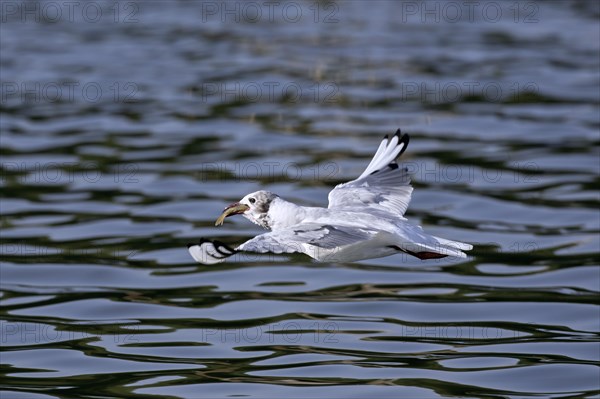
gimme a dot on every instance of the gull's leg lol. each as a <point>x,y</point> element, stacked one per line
<point>423,255</point>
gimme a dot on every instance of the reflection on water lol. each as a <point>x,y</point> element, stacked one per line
<point>124,137</point>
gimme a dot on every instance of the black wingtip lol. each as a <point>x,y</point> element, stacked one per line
<point>218,244</point>
<point>404,139</point>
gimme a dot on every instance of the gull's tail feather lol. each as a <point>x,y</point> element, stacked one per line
<point>434,250</point>
<point>388,151</point>
<point>454,244</point>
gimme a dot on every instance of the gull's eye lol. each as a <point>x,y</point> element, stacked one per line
<point>251,200</point>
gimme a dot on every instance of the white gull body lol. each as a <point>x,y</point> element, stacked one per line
<point>364,219</point>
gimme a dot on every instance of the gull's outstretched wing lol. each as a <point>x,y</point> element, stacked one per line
<point>309,238</point>
<point>383,185</point>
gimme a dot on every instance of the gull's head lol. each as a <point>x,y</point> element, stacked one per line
<point>253,207</point>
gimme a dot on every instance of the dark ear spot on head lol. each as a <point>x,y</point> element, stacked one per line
<point>263,207</point>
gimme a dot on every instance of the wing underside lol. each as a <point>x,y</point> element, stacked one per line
<point>314,240</point>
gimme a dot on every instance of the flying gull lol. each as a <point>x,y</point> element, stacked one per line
<point>364,219</point>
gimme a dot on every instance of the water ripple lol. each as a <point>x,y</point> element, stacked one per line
<point>100,197</point>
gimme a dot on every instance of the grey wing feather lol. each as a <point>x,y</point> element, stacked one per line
<point>300,237</point>
<point>383,185</point>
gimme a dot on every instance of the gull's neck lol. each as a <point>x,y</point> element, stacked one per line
<point>281,214</point>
